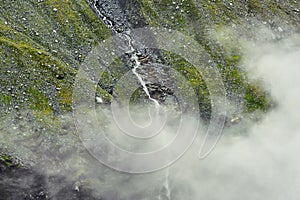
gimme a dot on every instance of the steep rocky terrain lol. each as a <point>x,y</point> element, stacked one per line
<point>47,40</point>
<point>43,43</point>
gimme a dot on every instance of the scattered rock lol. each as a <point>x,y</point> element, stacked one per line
<point>99,100</point>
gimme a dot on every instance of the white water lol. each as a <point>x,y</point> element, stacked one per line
<point>132,51</point>
<point>166,194</point>
<point>137,64</point>
<point>135,58</point>
<point>106,21</point>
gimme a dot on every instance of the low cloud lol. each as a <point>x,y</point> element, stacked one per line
<point>263,163</point>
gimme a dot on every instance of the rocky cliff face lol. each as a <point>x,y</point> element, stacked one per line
<point>217,26</point>
<point>47,40</point>
<point>43,43</point>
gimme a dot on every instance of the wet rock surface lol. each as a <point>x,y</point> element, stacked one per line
<point>123,16</point>
<point>119,15</point>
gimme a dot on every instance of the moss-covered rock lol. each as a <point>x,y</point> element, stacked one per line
<point>42,45</point>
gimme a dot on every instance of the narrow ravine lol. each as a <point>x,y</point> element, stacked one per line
<point>133,53</point>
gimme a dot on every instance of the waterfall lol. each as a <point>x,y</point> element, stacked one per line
<point>133,52</point>
<point>166,192</point>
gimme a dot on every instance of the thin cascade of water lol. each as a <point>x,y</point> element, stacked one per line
<point>165,193</point>
<point>135,58</point>
<point>166,188</point>
<point>132,51</point>
<point>105,20</point>
<point>137,64</point>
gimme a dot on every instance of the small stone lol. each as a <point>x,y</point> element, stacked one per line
<point>99,100</point>
<point>55,9</point>
<point>127,52</point>
<point>235,120</point>
<point>76,188</point>
<point>60,76</point>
